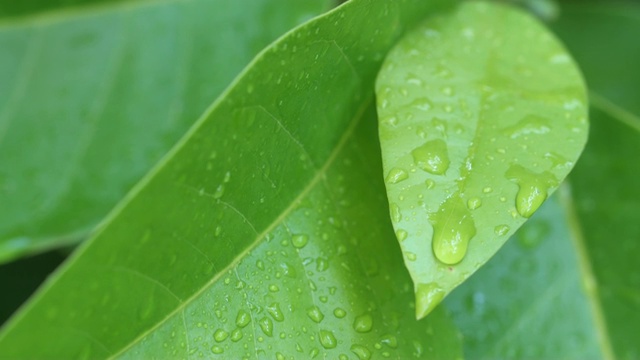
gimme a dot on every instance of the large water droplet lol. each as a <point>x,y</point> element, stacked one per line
<point>453,227</point>
<point>243,319</point>
<point>396,175</point>
<point>428,296</point>
<point>315,314</point>
<point>236,335</point>
<point>432,157</point>
<point>533,188</point>
<point>361,352</point>
<point>275,312</point>
<point>327,339</point>
<point>220,335</point>
<point>363,323</point>
<point>266,325</point>
<point>299,240</point>
<point>217,350</point>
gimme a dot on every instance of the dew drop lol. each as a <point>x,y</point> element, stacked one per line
<point>432,157</point>
<point>299,240</point>
<point>363,323</point>
<point>315,314</point>
<point>401,234</point>
<point>530,124</point>
<point>487,190</point>
<point>339,313</point>
<point>428,296</point>
<point>266,325</point>
<point>389,340</point>
<point>361,352</point>
<point>453,227</point>
<point>501,229</point>
<point>236,335</point>
<point>396,175</point>
<point>474,203</point>
<point>274,288</point>
<point>242,319</point>
<point>422,104</point>
<point>322,264</point>
<point>532,188</point>
<point>327,339</point>
<point>219,192</point>
<point>410,256</point>
<point>220,335</point>
<point>217,350</point>
<point>394,210</point>
<point>430,184</point>
<point>275,312</point>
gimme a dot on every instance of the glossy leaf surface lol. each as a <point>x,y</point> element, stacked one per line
<point>91,98</point>
<point>605,181</point>
<point>255,236</point>
<point>482,114</point>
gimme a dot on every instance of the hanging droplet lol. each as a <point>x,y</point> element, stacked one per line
<point>453,227</point>
<point>428,296</point>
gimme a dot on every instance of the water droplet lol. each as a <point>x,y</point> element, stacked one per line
<point>322,264</point>
<point>275,312</point>
<point>315,314</point>
<point>389,340</point>
<point>533,188</point>
<point>428,296</point>
<point>266,325</point>
<point>531,124</point>
<point>432,157</point>
<point>361,352</point>
<point>533,233</point>
<point>219,192</point>
<point>339,313</point>
<point>422,104</point>
<point>487,190</point>
<point>243,319</point>
<point>217,350</point>
<point>236,335</point>
<point>299,240</point>
<point>453,227</point>
<point>430,184</point>
<point>279,356</point>
<point>501,229</point>
<point>394,210</point>
<point>220,335</point>
<point>274,288</point>
<point>327,339</point>
<point>410,256</point>
<point>396,175</point>
<point>363,323</point>
<point>401,234</point>
<point>474,203</point>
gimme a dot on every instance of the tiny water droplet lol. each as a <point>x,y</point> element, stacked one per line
<point>361,352</point>
<point>453,227</point>
<point>217,350</point>
<point>430,184</point>
<point>410,256</point>
<point>322,264</point>
<point>299,240</point>
<point>327,339</point>
<point>389,340</point>
<point>432,157</point>
<point>487,190</point>
<point>219,192</point>
<point>474,203</point>
<point>274,288</point>
<point>220,335</point>
<point>422,104</point>
<point>428,296</point>
<point>396,175</point>
<point>266,325</point>
<point>363,323</point>
<point>501,229</point>
<point>315,314</point>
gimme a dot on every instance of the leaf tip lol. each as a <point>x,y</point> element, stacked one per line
<point>428,296</point>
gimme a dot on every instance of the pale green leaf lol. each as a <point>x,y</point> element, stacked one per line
<point>482,114</point>
<point>255,237</point>
<point>91,98</point>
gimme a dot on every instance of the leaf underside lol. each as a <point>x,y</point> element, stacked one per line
<point>482,115</point>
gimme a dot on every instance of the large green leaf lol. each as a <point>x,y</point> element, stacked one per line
<point>482,115</point>
<point>255,237</point>
<point>530,300</point>
<point>605,181</point>
<point>91,99</point>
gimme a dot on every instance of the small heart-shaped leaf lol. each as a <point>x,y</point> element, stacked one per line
<point>482,115</point>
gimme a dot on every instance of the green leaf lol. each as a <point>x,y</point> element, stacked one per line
<point>255,236</point>
<point>532,299</point>
<point>91,99</point>
<point>482,115</point>
<point>605,181</point>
